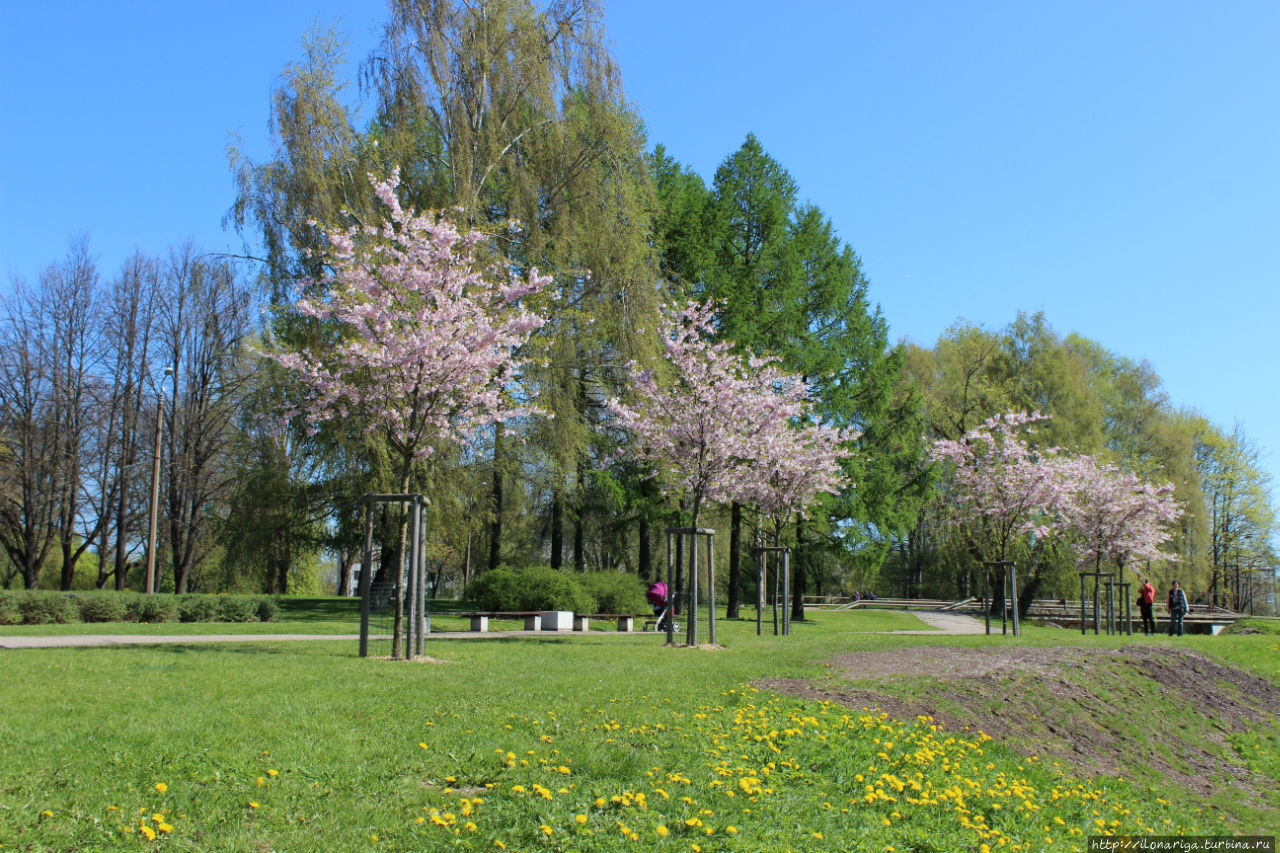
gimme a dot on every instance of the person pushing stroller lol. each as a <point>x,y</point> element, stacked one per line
<point>656,595</point>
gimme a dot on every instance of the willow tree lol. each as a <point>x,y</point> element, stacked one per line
<point>509,111</point>
<point>520,111</point>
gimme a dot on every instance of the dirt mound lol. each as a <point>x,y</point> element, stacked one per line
<point>1090,710</point>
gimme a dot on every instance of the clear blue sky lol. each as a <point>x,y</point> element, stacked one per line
<point>1115,164</point>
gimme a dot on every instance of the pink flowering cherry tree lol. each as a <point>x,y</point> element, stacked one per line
<point>709,431</point>
<point>1115,516</point>
<point>722,428</point>
<point>795,463</point>
<point>427,337</point>
<point>1002,488</point>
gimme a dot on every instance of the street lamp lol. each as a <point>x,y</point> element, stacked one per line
<point>155,490</point>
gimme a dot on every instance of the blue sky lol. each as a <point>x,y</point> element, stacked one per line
<point>1114,164</point>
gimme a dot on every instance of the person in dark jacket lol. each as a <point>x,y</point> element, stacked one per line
<point>1178,608</point>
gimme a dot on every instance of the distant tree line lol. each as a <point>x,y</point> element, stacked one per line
<point>511,117</point>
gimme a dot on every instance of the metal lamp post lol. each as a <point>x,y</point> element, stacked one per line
<point>150,586</point>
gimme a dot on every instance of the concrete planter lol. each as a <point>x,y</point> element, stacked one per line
<point>557,620</point>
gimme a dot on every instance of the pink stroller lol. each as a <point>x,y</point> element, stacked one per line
<point>656,595</point>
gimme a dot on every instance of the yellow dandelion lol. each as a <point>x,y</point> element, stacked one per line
<point>547,831</point>
<point>161,787</point>
<point>252,804</point>
<point>663,831</point>
<point>148,832</point>
<point>47,813</point>
<point>581,819</point>
<point>166,828</point>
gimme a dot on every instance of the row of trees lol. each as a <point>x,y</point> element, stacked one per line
<point>1113,410</point>
<point>83,386</point>
<point>510,117</point>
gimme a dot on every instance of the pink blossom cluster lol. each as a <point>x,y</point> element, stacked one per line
<point>427,336</point>
<point>1116,516</point>
<point>1001,482</point>
<point>730,427</point>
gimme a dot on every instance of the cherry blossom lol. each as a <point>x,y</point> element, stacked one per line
<point>1002,483</point>
<point>1115,515</point>
<point>729,427</point>
<point>427,336</point>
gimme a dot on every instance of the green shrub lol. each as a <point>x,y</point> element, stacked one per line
<point>9,612</point>
<point>615,592</point>
<point>531,588</point>
<point>101,607</point>
<point>156,607</point>
<point>43,608</point>
<point>197,608</point>
<point>237,608</point>
<point>267,609</point>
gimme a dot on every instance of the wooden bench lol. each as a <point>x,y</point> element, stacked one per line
<point>480,620</point>
<point>626,621</point>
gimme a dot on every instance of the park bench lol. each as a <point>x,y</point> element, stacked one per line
<point>626,621</point>
<point>480,620</point>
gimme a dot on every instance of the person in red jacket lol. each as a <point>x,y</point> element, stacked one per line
<point>1147,604</point>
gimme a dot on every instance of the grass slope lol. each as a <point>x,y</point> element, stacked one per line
<point>601,742</point>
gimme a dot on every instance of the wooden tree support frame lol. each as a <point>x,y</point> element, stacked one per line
<point>1117,609</point>
<point>418,623</point>
<point>677,537</point>
<point>781,588</point>
<point>1009,602</point>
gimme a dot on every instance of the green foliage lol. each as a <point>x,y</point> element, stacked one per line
<point>267,609</point>
<point>237,608</point>
<point>10,614</point>
<point>197,608</point>
<point>41,608</point>
<point>101,607</point>
<point>152,608</point>
<point>531,588</point>
<point>615,592</point>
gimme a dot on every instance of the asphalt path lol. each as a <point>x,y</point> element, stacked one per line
<point>941,623</point>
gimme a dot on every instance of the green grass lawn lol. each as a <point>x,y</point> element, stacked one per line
<point>599,742</point>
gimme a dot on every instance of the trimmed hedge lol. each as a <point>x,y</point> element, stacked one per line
<point>41,607</point>
<point>101,607</point>
<point>9,612</point>
<point>507,588</point>
<point>615,592</point>
<point>530,588</point>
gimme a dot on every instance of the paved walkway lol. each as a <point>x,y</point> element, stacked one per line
<point>946,623</point>
<point>943,623</point>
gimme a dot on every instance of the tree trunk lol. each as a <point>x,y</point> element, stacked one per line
<point>579,531</point>
<point>645,568</point>
<point>798,574</point>
<point>495,528</point>
<point>557,528</point>
<point>735,547</point>
<point>401,540</point>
